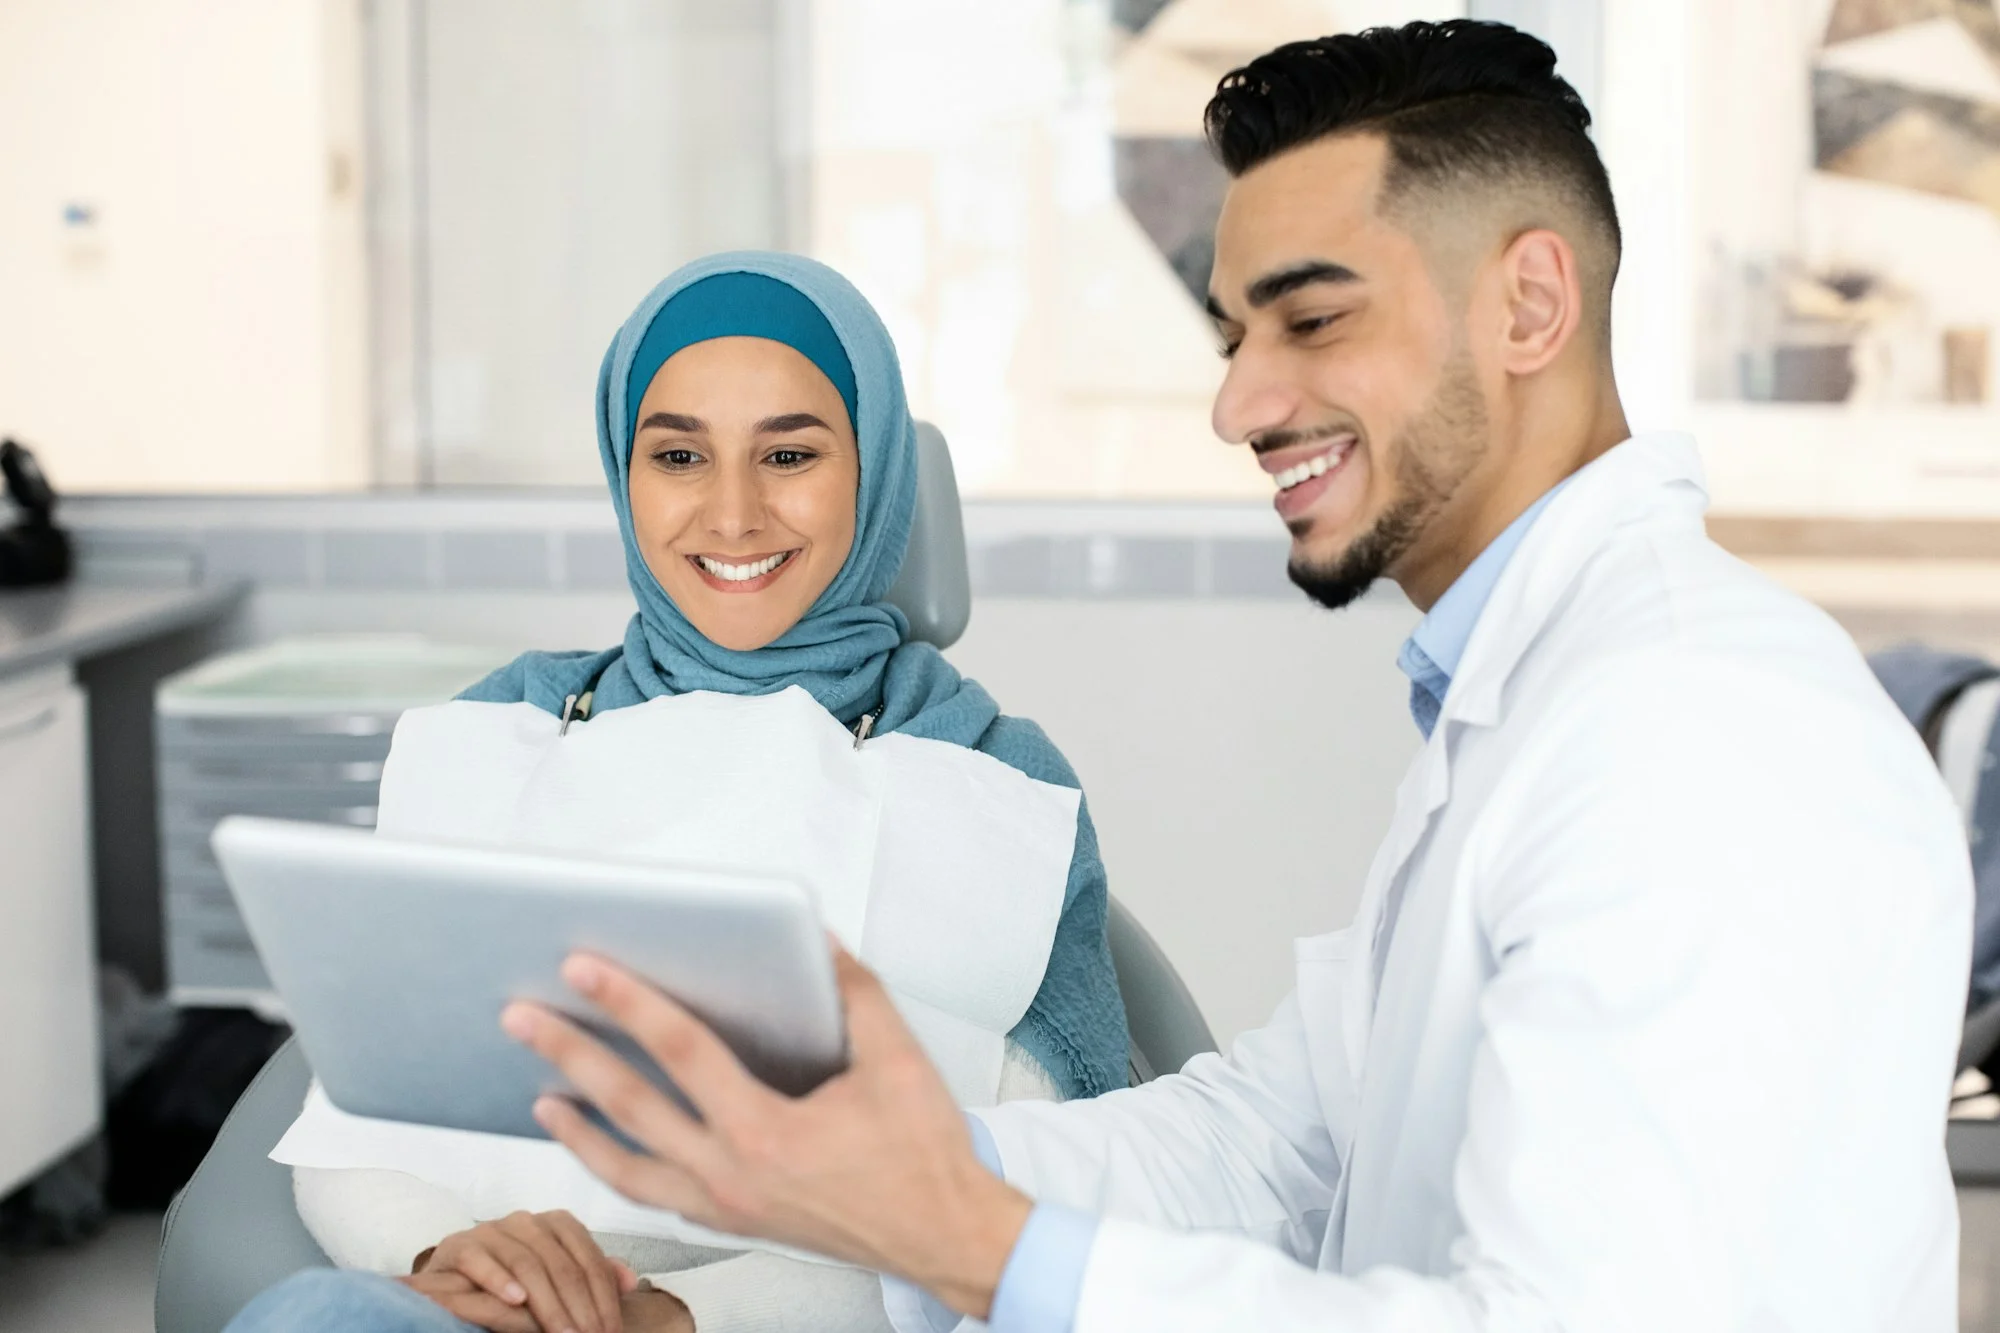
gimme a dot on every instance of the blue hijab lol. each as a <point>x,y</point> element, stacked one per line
<point>851,650</point>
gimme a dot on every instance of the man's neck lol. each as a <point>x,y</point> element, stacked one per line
<point>1480,513</point>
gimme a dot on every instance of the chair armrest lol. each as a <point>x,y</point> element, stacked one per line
<point>234,1230</point>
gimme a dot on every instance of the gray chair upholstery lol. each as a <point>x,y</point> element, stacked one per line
<point>1166,1024</point>
<point>235,1231</point>
<point>934,589</point>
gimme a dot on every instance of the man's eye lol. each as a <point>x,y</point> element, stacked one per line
<point>1305,328</point>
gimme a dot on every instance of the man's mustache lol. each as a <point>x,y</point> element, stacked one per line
<point>1283,438</point>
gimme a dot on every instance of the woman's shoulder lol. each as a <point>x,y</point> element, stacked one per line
<point>539,676</point>
<point>1021,743</point>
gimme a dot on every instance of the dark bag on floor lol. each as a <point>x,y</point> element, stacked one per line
<point>160,1125</point>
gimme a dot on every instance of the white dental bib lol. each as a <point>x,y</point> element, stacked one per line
<point>941,868</point>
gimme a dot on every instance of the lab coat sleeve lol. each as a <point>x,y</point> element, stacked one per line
<point>1224,1144</point>
<point>1670,890</point>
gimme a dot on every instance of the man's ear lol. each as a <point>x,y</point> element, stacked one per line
<point>1544,300</point>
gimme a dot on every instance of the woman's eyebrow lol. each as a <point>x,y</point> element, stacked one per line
<point>675,421</point>
<point>789,421</point>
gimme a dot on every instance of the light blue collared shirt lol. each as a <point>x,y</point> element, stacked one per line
<point>1431,654</point>
<point>1043,1280</point>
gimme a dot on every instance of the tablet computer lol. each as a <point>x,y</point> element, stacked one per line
<point>394,959</point>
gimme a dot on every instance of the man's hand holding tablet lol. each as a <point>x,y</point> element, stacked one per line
<point>874,1167</point>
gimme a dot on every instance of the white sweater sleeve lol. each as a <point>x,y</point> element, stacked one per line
<point>375,1220</point>
<point>768,1293</point>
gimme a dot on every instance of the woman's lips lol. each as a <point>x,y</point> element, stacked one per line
<point>741,576</point>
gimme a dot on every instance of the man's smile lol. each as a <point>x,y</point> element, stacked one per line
<point>1304,473</point>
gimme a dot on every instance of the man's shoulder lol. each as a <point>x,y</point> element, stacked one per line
<point>1667,613</point>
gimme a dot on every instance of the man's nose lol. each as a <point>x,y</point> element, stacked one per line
<point>1254,398</point>
<point>736,505</point>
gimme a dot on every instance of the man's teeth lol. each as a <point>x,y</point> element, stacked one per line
<point>1312,467</point>
<point>742,573</point>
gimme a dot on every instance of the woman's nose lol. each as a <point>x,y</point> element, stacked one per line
<point>736,506</point>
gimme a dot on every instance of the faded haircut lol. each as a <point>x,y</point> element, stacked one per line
<point>1463,106</point>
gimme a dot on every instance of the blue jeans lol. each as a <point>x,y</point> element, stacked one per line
<point>326,1300</point>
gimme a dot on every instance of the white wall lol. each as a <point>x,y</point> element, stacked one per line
<point>204,332</point>
<point>1240,757</point>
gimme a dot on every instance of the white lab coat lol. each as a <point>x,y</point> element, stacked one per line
<point>1671,928</point>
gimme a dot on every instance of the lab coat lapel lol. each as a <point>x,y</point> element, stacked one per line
<point>1645,475</point>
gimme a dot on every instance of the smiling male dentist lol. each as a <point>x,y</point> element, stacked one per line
<point>1648,1014</point>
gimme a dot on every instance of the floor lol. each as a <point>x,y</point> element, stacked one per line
<point>102,1286</point>
<point>106,1286</point>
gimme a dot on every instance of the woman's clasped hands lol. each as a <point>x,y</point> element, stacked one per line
<point>541,1273</point>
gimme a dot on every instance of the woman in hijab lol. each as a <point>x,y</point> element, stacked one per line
<point>762,460</point>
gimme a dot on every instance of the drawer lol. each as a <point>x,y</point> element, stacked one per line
<point>194,816</point>
<point>232,770</point>
<point>334,730</point>
<point>209,960</point>
<point>199,891</point>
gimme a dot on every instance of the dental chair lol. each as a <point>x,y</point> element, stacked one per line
<point>234,1230</point>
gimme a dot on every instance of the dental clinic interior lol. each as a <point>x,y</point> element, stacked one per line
<point>302,311</point>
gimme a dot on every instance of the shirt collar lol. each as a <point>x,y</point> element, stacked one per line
<point>1431,655</point>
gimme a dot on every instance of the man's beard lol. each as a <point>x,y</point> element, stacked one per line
<point>1435,454</point>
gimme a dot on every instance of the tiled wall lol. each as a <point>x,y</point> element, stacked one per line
<point>565,543</point>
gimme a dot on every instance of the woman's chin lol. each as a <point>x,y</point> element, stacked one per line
<point>737,636</point>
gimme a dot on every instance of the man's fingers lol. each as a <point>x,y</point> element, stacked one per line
<point>873,1024</point>
<point>607,1082</point>
<point>599,1273</point>
<point>648,1180</point>
<point>699,1061</point>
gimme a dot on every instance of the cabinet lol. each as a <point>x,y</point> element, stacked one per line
<point>49,1080</point>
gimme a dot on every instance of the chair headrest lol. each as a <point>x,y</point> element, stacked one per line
<point>934,590</point>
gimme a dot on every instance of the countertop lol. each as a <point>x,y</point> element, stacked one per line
<point>43,626</point>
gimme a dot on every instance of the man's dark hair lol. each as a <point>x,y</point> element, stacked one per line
<point>1459,102</point>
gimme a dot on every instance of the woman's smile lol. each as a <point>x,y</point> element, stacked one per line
<point>750,573</point>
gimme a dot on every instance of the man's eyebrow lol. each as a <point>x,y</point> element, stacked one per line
<point>1288,280</point>
<point>675,421</point>
<point>789,421</point>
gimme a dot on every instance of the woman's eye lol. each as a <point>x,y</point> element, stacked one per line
<point>1305,328</point>
<point>676,458</point>
<point>789,458</point>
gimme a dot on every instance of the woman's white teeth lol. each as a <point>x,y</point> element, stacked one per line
<point>742,573</point>
<point>1312,467</point>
